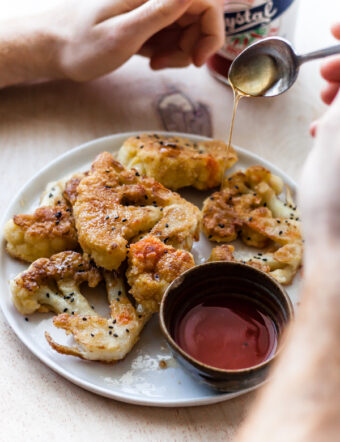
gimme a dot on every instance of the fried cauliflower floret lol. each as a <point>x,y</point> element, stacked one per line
<point>227,213</point>
<point>114,205</point>
<point>53,284</point>
<point>152,266</point>
<point>249,207</point>
<point>49,230</point>
<point>103,339</point>
<point>177,162</point>
<point>226,253</point>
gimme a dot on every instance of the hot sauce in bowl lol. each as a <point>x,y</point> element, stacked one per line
<point>224,322</point>
<point>227,332</point>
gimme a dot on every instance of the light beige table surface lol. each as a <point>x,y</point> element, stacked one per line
<point>38,123</point>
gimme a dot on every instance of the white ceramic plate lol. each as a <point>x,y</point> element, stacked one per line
<point>138,379</point>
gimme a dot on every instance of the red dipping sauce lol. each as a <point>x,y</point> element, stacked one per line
<point>227,332</point>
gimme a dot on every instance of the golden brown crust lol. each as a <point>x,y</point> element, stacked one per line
<point>248,206</point>
<point>225,252</point>
<point>47,231</point>
<point>177,162</point>
<point>64,265</point>
<point>115,205</point>
<point>152,266</point>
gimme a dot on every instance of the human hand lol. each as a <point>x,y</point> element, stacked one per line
<point>104,34</point>
<point>320,190</point>
<point>330,71</point>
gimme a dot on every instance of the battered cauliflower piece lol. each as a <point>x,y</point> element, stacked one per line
<point>103,339</point>
<point>227,213</point>
<point>114,205</point>
<point>226,253</point>
<point>177,162</point>
<point>281,264</point>
<point>249,206</point>
<point>53,285</point>
<point>49,230</point>
<point>152,266</point>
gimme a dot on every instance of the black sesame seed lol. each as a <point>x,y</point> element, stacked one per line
<point>141,147</point>
<point>65,310</point>
<point>47,295</point>
<point>117,299</point>
<point>108,187</point>
<point>50,195</point>
<point>210,236</point>
<point>137,174</point>
<point>115,335</point>
<point>110,332</point>
<point>139,316</point>
<point>248,239</point>
<point>127,330</point>
<point>26,319</point>
<point>264,204</point>
<point>221,226</point>
<point>92,335</point>
<point>250,219</point>
<point>165,251</point>
<point>119,292</point>
<point>166,225</point>
<point>57,222</point>
<point>114,321</point>
<point>137,137</point>
<point>212,198</point>
<point>278,221</point>
<point>107,217</point>
<point>124,220</point>
<point>236,187</point>
<point>280,232</point>
<point>260,254</point>
<point>264,259</point>
<point>84,319</point>
<point>58,215</point>
<point>72,313</point>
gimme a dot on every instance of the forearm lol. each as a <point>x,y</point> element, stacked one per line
<point>301,402</point>
<point>28,51</point>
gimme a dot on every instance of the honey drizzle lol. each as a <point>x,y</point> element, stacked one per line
<point>237,97</point>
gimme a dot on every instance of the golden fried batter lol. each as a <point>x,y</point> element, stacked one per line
<point>152,266</point>
<point>50,229</point>
<point>114,205</point>
<point>249,206</point>
<point>103,339</point>
<point>177,162</point>
<point>53,284</point>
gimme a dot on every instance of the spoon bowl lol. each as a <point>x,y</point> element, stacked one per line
<point>278,56</point>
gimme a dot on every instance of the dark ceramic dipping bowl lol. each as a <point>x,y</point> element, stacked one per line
<point>198,283</point>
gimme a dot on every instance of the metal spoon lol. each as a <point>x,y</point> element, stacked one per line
<point>284,58</point>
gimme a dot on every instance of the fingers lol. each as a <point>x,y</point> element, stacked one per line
<point>152,16</point>
<point>330,70</point>
<point>212,30</point>
<point>180,56</point>
<point>336,30</point>
<point>313,128</point>
<point>329,92</point>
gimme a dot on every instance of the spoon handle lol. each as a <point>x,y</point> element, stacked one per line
<point>321,53</point>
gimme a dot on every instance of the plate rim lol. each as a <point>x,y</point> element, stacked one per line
<point>43,356</point>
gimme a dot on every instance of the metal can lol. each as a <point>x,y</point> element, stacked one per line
<point>247,21</point>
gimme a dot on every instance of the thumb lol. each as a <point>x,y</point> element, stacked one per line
<point>152,16</point>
